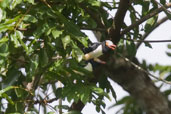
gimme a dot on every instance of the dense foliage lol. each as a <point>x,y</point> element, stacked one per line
<point>41,45</point>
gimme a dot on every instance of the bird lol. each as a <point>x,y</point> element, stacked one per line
<point>95,50</point>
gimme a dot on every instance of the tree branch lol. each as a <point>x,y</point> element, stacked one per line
<point>152,29</point>
<point>35,83</point>
<point>155,12</point>
<point>21,19</point>
<point>140,68</point>
<point>162,6</point>
<point>114,31</point>
<point>149,41</point>
<point>137,83</point>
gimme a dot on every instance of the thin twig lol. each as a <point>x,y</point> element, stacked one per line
<point>45,2</point>
<point>162,6</point>
<point>21,19</point>
<point>145,35</point>
<point>52,108</point>
<point>60,100</point>
<point>140,68</point>
<point>149,41</point>
<point>155,12</point>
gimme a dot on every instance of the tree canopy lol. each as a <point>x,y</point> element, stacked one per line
<point>41,44</point>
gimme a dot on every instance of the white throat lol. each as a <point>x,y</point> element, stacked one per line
<point>94,54</point>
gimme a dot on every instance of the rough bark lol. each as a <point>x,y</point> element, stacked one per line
<point>138,84</point>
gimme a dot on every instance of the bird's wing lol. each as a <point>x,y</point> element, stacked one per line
<point>94,54</point>
<point>91,47</point>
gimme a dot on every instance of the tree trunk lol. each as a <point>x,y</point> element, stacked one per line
<point>138,84</point>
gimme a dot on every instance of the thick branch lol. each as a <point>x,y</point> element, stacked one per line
<point>145,71</point>
<point>77,106</point>
<point>138,84</point>
<point>137,23</point>
<point>114,31</point>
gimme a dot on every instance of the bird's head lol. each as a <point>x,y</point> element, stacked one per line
<point>109,44</point>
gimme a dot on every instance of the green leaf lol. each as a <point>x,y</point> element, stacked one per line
<point>100,91</point>
<point>123,100</point>
<point>94,3</point>
<point>131,48</point>
<point>58,92</point>
<point>167,92</point>
<point>91,23</point>
<point>51,113</point>
<point>4,27</point>
<point>83,40</point>
<point>30,1</point>
<point>5,3</point>
<point>4,39</point>
<point>168,14</point>
<point>105,84</point>
<point>9,24</point>
<point>169,46</point>
<point>163,2</point>
<point>19,107</point>
<point>97,90</point>
<point>20,36</point>
<point>148,44</point>
<point>44,59</point>
<point>66,40</point>
<point>85,96</point>
<point>76,52</point>
<point>14,39</point>
<point>19,92</point>
<point>4,50</point>
<point>30,18</point>
<point>13,4</point>
<point>56,33</point>
<point>168,54</point>
<point>32,67</point>
<point>145,8</point>
<point>11,77</point>
<point>7,98</point>
<point>66,107</point>
<point>17,113</point>
<point>69,25</point>
<point>150,23</point>
<point>1,14</point>
<point>41,29</point>
<point>2,91</point>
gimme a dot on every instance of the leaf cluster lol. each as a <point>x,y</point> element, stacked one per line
<point>40,45</point>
